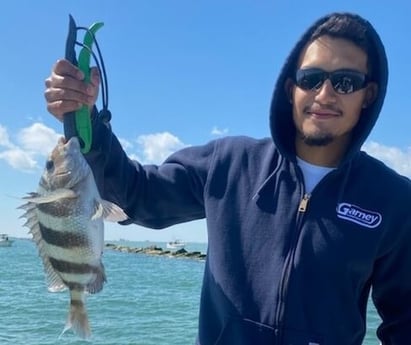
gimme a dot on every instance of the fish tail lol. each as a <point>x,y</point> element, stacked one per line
<point>77,319</point>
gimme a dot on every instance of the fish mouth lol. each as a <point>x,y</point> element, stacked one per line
<point>63,174</point>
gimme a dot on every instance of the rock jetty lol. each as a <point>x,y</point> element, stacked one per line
<point>154,250</point>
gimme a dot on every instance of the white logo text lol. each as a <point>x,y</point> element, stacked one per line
<point>358,215</point>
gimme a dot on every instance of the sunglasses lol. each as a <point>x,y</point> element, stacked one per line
<point>344,81</point>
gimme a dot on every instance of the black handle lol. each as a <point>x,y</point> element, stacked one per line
<point>69,121</point>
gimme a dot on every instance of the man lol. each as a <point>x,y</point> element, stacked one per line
<point>300,226</point>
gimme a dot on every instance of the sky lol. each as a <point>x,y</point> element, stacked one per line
<point>180,73</point>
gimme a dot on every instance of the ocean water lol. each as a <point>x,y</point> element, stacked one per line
<point>148,300</point>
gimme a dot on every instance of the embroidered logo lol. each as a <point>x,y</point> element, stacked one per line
<point>358,215</point>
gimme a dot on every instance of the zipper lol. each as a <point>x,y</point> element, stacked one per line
<point>302,208</point>
<point>304,203</point>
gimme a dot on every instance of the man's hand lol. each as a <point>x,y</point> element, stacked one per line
<point>66,91</point>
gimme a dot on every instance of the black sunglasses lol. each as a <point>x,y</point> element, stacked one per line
<point>343,80</point>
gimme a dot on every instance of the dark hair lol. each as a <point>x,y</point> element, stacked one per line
<point>352,28</point>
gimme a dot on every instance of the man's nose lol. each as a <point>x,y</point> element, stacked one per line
<point>326,92</point>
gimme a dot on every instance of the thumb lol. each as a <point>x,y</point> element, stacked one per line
<point>94,76</point>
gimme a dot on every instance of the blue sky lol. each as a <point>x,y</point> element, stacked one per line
<point>180,73</point>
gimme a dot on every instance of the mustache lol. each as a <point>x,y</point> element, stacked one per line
<point>322,108</point>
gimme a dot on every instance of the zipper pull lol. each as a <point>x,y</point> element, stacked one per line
<point>304,203</point>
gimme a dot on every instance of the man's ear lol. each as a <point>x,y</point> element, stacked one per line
<point>371,93</point>
<point>288,88</point>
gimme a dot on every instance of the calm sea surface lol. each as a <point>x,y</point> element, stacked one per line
<point>148,300</point>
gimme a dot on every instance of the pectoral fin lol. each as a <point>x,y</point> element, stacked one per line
<point>55,195</point>
<point>112,212</point>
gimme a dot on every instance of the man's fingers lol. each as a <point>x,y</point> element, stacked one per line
<point>53,94</point>
<point>66,90</point>
<point>59,108</point>
<point>66,68</point>
<point>56,81</point>
<point>94,77</point>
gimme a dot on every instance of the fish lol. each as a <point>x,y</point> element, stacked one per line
<point>65,217</point>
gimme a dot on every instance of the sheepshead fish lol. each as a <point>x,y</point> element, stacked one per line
<point>66,219</point>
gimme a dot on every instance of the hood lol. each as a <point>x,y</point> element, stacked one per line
<point>281,121</point>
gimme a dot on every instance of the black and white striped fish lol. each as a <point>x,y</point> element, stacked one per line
<point>65,217</point>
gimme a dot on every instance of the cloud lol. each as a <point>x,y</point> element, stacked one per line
<point>38,139</point>
<point>30,145</point>
<point>219,132</point>
<point>394,157</point>
<point>157,147</point>
<point>127,145</point>
<point>19,159</point>
<point>26,151</point>
<point>4,137</point>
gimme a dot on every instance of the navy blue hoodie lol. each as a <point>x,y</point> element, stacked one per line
<point>281,269</point>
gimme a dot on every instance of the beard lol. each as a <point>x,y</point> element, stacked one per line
<point>321,139</point>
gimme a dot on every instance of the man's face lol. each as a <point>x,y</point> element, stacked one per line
<point>322,115</point>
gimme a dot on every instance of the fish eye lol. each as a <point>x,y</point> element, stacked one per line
<point>49,165</point>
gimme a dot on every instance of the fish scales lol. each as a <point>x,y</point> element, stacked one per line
<point>66,219</point>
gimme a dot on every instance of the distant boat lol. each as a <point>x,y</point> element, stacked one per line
<point>5,241</point>
<point>176,244</point>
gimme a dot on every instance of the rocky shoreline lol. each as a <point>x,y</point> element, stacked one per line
<point>158,251</point>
